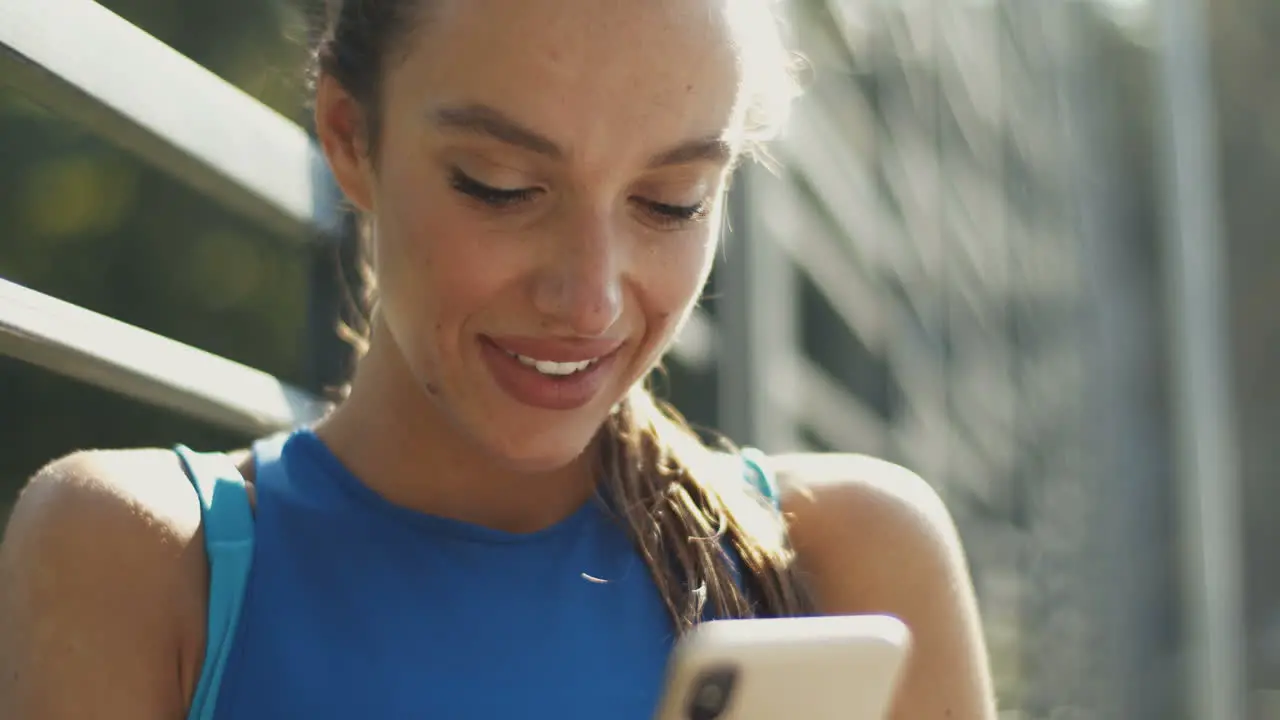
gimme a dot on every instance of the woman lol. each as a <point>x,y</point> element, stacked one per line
<point>496,522</point>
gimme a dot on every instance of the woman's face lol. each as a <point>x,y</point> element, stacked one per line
<point>547,200</point>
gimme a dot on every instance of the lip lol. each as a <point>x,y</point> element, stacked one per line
<point>530,387</point>
<point>556,350</point>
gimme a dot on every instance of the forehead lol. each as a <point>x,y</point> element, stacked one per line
<point>590,74</point>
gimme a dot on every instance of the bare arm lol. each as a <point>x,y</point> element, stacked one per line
<point>100,577</point>
<point>875,538</point>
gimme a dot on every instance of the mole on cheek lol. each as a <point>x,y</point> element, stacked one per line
<point>433,389</point>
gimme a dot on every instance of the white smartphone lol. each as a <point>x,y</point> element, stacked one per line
<point>818,668</point>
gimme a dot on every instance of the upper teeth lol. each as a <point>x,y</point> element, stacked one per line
<point>548,367</point>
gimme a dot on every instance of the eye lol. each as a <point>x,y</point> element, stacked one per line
<point>676,215</point>
<point>487,194</point>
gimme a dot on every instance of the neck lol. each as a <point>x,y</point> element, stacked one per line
<point>398,440</point>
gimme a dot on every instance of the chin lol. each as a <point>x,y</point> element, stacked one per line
<point>545,456</point>
<point>531,439</point>
<point>539,445</point>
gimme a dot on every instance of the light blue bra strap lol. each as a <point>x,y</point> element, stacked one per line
<point>228,539</point>
<point>756,469</point>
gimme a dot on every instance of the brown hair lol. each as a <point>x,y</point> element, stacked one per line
<point>709,540</point>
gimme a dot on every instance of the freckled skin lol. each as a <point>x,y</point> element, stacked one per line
<point>583,259</point>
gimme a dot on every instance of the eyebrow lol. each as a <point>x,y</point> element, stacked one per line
<point>708,149</point>
<point>488,121</point>
<point>484,120</point>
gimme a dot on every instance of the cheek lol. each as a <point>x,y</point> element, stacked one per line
<point>673,281</point>
<point>433,268</point>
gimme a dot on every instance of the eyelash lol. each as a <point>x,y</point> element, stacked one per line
<point>500,198</point>
<point>487,194</point>
<point>678,213</point>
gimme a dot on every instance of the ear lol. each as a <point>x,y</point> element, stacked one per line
<point>340,128</point>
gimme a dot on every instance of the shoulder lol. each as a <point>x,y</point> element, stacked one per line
<point>132,495</point>
<point>95,498</point>
<point>104,557</point>
<point>108,514</point>
<point>111,515</point>
<point>874,538</point>
<point>858,505</point>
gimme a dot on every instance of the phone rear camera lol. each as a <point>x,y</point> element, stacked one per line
<point>711,693</point>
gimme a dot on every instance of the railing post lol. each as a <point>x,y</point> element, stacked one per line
<point>1204,422</point>
<point>757,317</point>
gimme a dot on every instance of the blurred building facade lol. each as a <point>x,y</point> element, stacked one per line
<point>964,266</point>
<point>955,268</point>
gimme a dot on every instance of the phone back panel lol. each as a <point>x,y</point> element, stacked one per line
<point>827,668</point>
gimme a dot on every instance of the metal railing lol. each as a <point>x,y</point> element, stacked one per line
<point>83,62</point>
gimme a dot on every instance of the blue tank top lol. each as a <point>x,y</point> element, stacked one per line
<point>335,603</point>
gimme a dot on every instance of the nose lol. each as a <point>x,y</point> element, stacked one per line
<point>579,286</point>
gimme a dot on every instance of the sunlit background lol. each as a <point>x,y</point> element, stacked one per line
<point>964,264</point>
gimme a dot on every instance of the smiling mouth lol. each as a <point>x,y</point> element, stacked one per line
<point>552,368</point>
<point>550,374</point>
